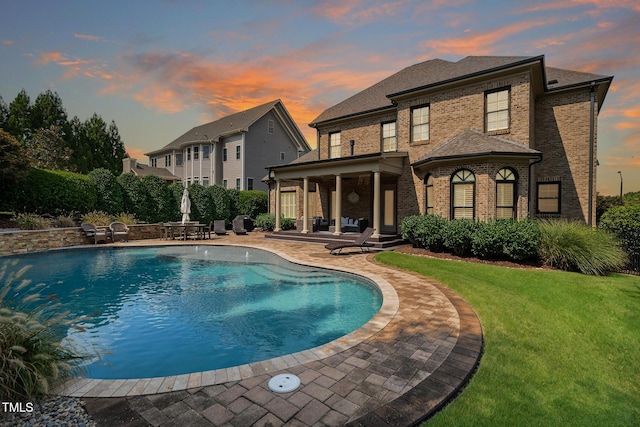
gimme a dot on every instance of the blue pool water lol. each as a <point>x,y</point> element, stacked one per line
<point>161,311</point>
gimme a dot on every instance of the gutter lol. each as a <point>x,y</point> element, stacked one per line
<point>531,183</point>
<point>591,150</point>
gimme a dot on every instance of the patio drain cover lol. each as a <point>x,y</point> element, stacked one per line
<point>284,383</point>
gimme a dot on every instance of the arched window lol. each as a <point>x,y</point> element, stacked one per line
<point>506,181</point>
<point>463,186</point>
<point>428,194</point>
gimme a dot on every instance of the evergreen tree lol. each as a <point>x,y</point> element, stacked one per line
<point>19,119</point>
<point>4,113</point>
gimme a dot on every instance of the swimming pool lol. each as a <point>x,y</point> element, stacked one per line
<point>160,311</point>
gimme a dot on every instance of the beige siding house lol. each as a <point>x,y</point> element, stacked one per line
<point>480,138</point>
<point>235,150</point>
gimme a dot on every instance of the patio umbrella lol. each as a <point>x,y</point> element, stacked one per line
<point>185,206</point>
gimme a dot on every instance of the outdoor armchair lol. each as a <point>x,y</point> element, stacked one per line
<point>119,231</point>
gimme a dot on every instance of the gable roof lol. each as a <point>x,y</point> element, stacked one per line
<point>473,143</point>
<point>438,72</point>
<point>236,123</point>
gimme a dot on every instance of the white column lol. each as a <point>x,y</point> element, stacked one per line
<point>338,207</point>
<point>376,204</point>
<point>278,226</point>
<point>305,206</point>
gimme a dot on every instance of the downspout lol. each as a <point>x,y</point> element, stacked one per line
<point>529,206</point>
<point>591,150</point>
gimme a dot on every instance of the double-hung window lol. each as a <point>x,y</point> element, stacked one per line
<point>196,153</point>
<point>506,194</point>
<point>428,192</point>
<point>497,110</point>
<point>463,189</point>
<point>334,145</point>
<point>206,150</point>
<point>420,124</point>
<point>389,140</point>
<point>548,198</point>
<point>237,152</point>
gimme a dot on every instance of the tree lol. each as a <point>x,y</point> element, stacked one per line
<point>104,144</point>
<point>47,111</point>
<point>46,149</point>
<point>19,119</point>
<point>110,197</point>
<point>13,167</point>
<point>4,113</point>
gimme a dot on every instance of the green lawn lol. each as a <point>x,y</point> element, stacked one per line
<point>560,348</point>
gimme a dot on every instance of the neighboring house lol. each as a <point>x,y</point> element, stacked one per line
<point>481,138</point>
<point>234,151</point>
<point>130,165</point>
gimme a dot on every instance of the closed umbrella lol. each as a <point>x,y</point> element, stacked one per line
<point>185,206</point>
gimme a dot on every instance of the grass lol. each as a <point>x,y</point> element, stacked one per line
<point>560,348</point>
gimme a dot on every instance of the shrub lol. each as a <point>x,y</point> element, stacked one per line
<point>135,195</point>
<point>97,218</point>
<point>253,203</point>
<point>424,231</point>
<point>27,221</point>
<point>624,222</point>
<point>202,208</point>
<point>109,192</point>
<point>234,202</point>
<point>54,191</point>
<point>64,221</point>
<point>126,218</point>
<point>457,235</point>
<point>267,222</point>
<point>31,356</point>
<point>573,246</point>
<point>513,239</point>
<point>221,203</point>
<point>162,205</point>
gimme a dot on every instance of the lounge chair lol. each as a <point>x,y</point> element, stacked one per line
<point>119,231</point>
<point>238,226</point>
<point>90,230</point>
<point>360,242</point>
<point>219,227</point>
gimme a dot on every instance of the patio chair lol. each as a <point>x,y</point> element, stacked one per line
<point>238,226</point>
<point>219,227</point>
<point>119,231</point>
<point>360,242</point>
<point>90,230</point>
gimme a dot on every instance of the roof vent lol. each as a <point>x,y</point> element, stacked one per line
<point>552,82</point>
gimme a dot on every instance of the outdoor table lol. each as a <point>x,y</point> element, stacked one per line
<point>183,230</point>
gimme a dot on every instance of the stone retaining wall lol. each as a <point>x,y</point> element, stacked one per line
<point>24,241</point>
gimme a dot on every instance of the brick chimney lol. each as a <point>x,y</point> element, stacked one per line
<point>128,164</point>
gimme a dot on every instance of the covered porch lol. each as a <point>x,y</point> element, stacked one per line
<point>345,191</point>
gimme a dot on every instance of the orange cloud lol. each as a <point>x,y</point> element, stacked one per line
<point>481,44</point>
<point>7,42</point>
<point>358,11</point>
<point>597,4</point>
<point>135,153</point>
<point>87,37</point>
<point>47,57</point>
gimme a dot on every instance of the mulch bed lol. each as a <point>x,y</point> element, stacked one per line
<point>410,250</point>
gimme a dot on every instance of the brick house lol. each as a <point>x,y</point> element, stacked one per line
<point>234,150</point>
<point>484,137</point>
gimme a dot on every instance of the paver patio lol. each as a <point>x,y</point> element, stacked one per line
<point>398,371</point>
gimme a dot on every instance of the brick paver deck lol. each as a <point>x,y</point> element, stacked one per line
<point>398,371</point>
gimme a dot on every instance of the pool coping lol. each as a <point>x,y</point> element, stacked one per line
<point>401,375</point>
<point>89,387</point>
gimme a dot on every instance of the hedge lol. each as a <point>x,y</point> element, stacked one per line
<point>53,192</point>
<point>624,222</point>
<point>109,191</point>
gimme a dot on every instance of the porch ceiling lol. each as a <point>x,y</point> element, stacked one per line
<point>388,163</point>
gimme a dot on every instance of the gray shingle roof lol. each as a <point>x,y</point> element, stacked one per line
<point>144,170</point>
<point>435,72</point>
<point>231,124</point>
<point>473,143</point>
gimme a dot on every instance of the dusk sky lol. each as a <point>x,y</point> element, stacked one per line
<point>159,68</point>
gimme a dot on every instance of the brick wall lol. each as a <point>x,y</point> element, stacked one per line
<point>562,135</point>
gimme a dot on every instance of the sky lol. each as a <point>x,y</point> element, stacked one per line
<point>159,68</point>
